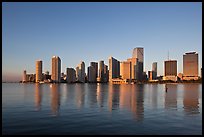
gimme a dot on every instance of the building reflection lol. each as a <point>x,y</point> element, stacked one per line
<point>55,99</point>
<point>171,96</point>
<point>190,99</point>
<point>154,93</point>
<point>100,94</point>
<point>38,96</point>
<point>113,96</point>
<point>92,94</point>
<point>132,98</point>
<point>80,95</point>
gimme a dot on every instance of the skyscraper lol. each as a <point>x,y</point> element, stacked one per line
<point>190,65</point>
<point>139,54</point>
<point>134,67</point>
<point>101,71</point>
<point>154,70</point>
<point>125,70</point>
<point>170,70</point>
<point>38,75</point>
<point>80,72</point>
<point>24,76</point>
<point>114,68</point>
<point>106,73</point>
<point>56,69</point>
<point>95,65</point>
<point>91,74</point>
<point>71,75</point>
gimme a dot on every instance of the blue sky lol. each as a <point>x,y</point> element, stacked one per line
<point>95,31</point>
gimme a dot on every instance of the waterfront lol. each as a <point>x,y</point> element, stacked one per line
<point>101,109</point>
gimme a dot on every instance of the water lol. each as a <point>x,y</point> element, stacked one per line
<point>101,109</point>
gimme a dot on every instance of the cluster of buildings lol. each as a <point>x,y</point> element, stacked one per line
<point>128,71</point>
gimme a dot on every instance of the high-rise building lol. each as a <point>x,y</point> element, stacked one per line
<point>125,70</point>
<point>71,75</point>
<point>91,74</point>
<point>150,75</point>
<point>114,68</point>
<point>80,72</point>
<point>38,71</point>
<point>56,69</point>
<point>170,70</point>
<point>24,76</point>
<point>139,54</point>
<point>101,71</point>
<point>106,73</point>
<point>134,67</point>
<point>95,65</point>
<point>190,65</point>
<point>154,70</point>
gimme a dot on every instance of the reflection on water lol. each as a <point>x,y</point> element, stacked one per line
<point>120,108</point>
<point>38,96</point>
<point>113,97</point>
<point>171,96</point>
<point>55,98</point>
<point>190,99</point>
<point>132,98</point>
<point>80,95</point>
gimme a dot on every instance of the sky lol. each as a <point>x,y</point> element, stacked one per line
<point>95,31</point>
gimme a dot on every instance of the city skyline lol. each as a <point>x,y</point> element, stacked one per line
<point>91,32</point>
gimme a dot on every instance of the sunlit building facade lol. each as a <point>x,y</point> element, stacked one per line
<point>125,70</point>
<point>38,71</point>
<point>139,54</point>
<point>80,72</point>
<point>56,69</point>
<point>114,68</point>
<point>170,70</point>
<point>190,66</point>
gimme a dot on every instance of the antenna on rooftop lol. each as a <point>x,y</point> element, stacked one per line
<point>168,55</point>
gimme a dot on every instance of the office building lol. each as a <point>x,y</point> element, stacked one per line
<point>134,67</point>
<point>24,76</point>
<point>56,69</point>
<point>95,65</point>
<point>154,70</point>
<point>91,74</point>
<point>190,66</point>
<point>80,72</point>
<point>38,71</point>
<point>106,73</point>
<point>125,70</point>
<point>170,70</point>
<point>71,75</point>
<point>114,68</point>
<point>139,54</point>
<point>101,71</point>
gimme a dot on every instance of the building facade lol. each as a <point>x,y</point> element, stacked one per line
<point>190,66</point>
<point>125,70</point>
<point>80,72</point>
<point>71,75</point>
<point>91,75</point>
<point>24,76</point>
<point>95,65</point>
<point>154,70</point>
<point>56,69</point>
<point>114,68</point>
<point>170,70</point>
<point>38,71</point>
<point>139,54</point>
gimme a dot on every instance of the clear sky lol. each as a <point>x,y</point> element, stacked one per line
<point>95,31</point>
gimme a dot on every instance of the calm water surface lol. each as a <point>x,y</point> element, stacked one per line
<point>101,109</point>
